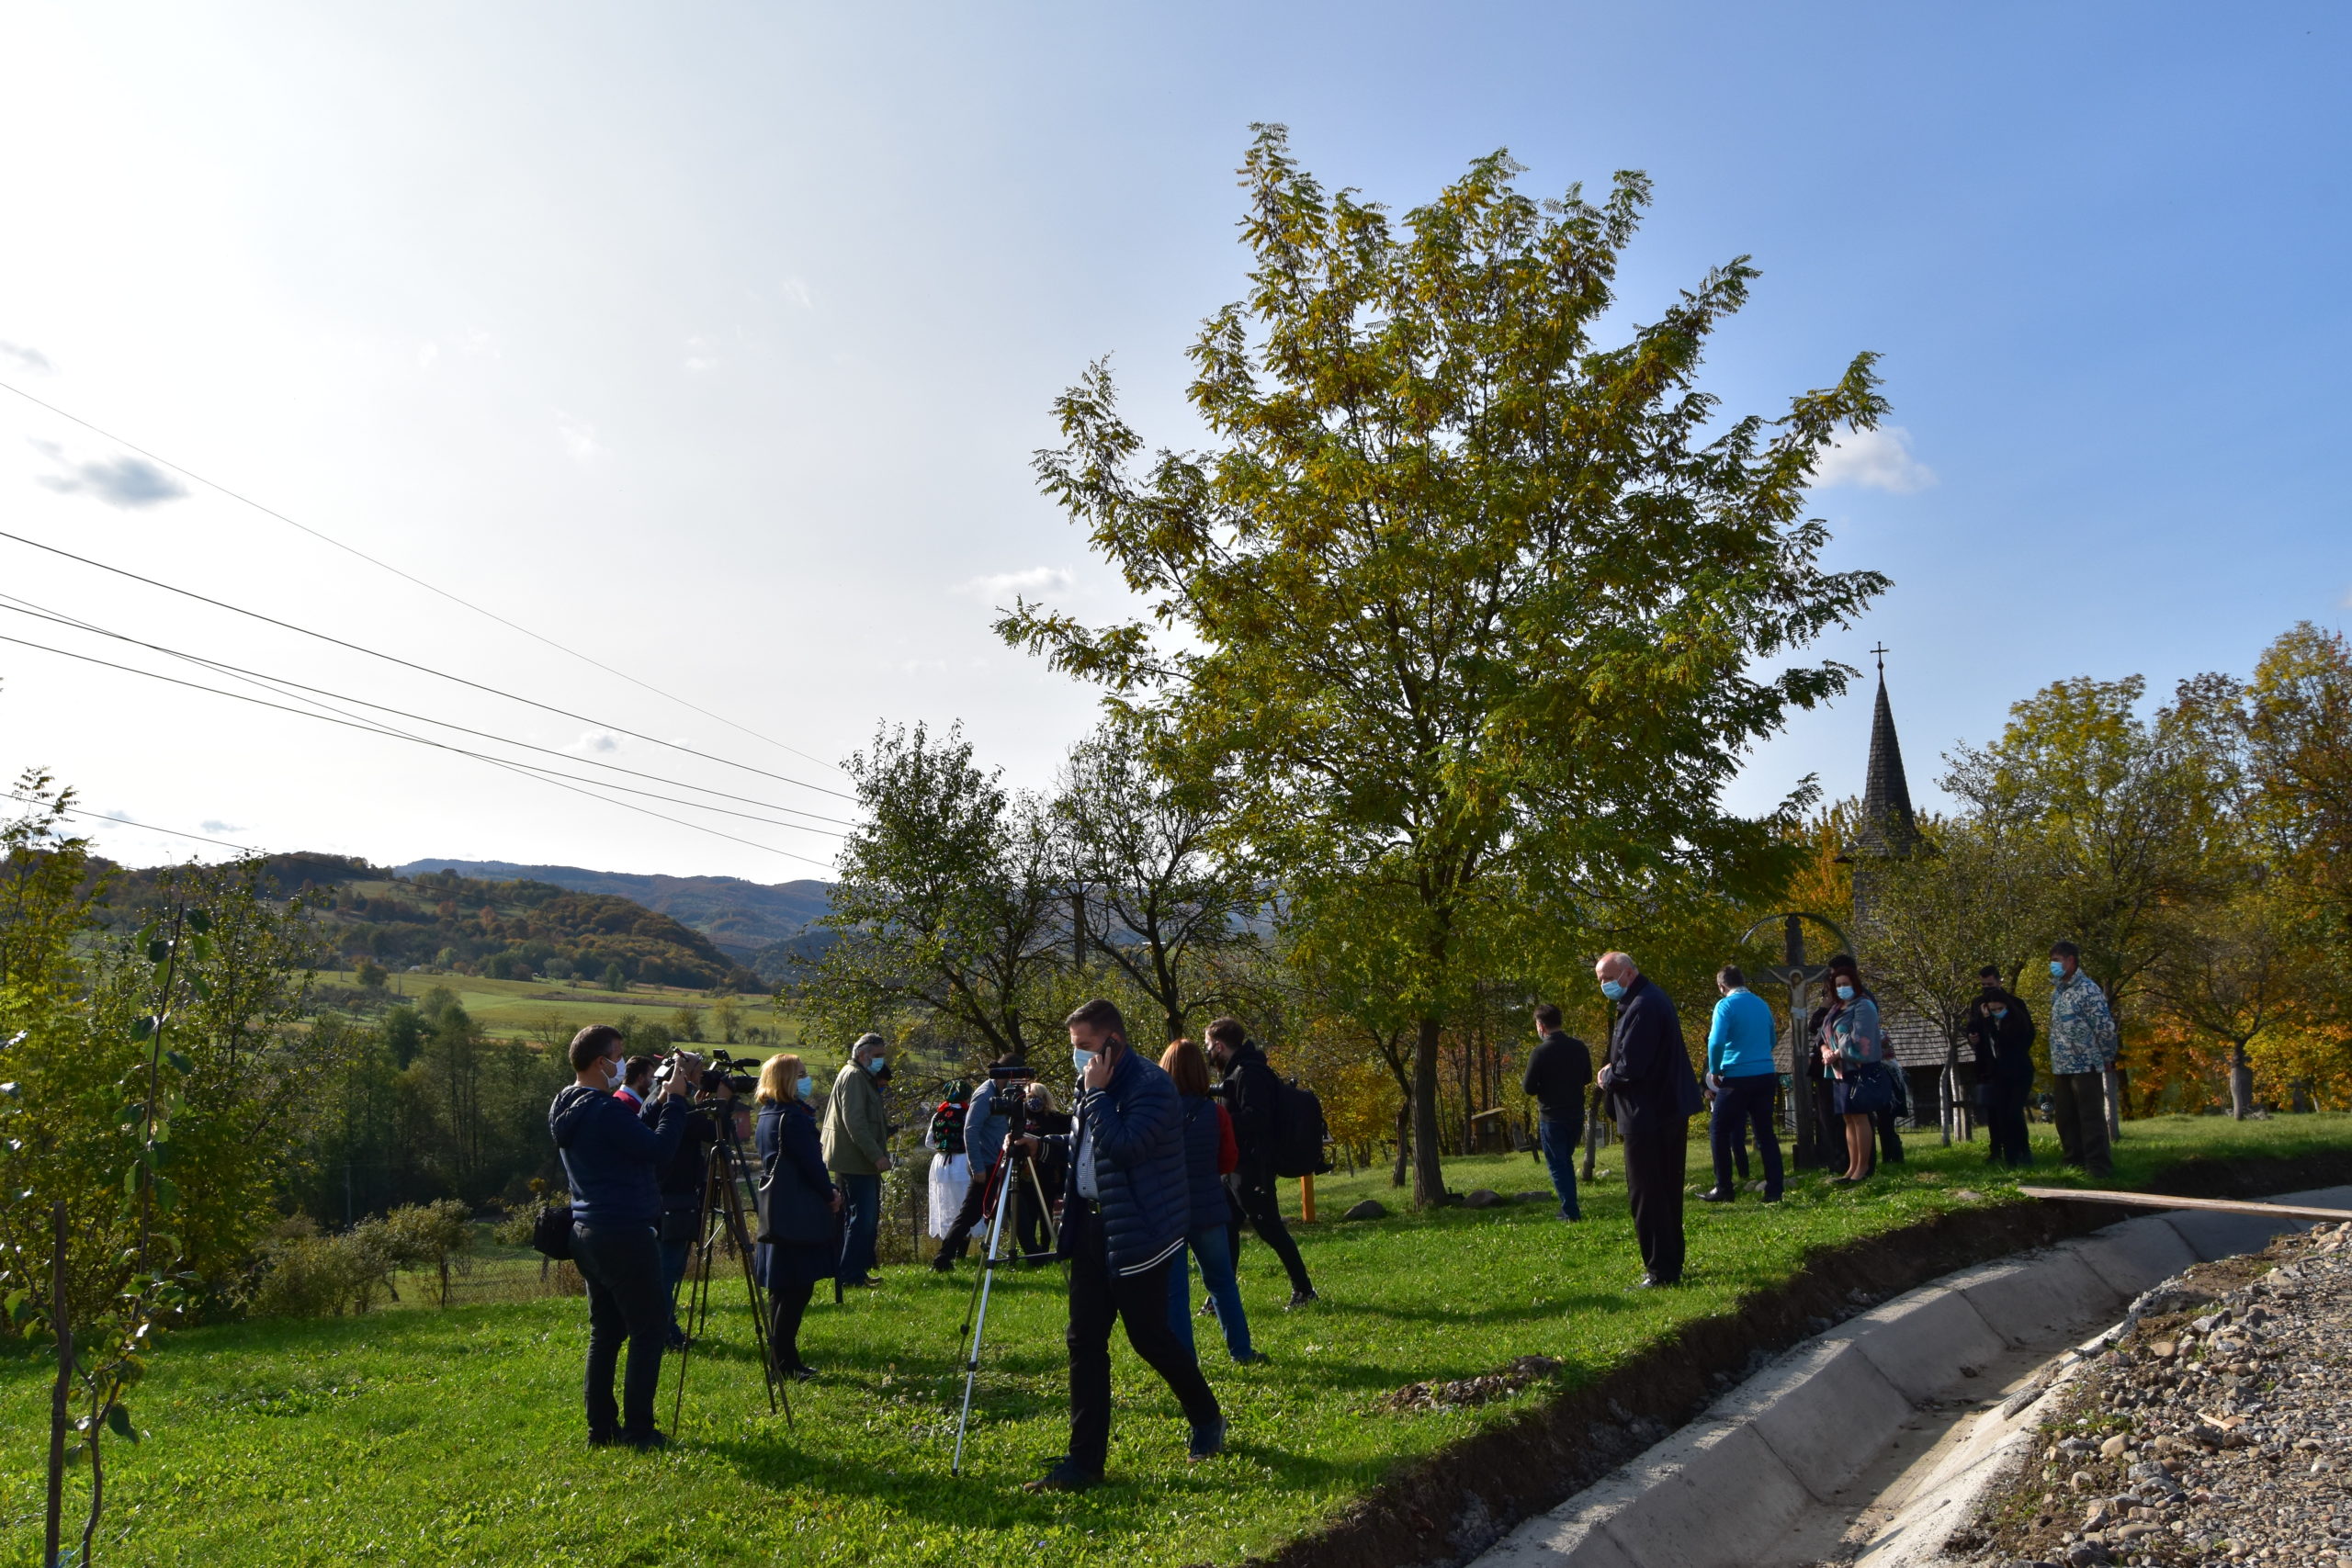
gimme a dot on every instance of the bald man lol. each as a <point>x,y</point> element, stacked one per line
<point>1653,1095</point>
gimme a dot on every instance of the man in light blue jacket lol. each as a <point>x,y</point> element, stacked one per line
<point>2083,1047</point>
<point>1741,1073</point>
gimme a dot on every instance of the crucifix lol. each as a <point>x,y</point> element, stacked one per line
<point>1880,651</point>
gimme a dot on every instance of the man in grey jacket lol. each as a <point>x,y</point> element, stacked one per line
<point>857,1151</point>
<point>983,1142</point>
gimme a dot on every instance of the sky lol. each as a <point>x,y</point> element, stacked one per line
<point>713,343</point>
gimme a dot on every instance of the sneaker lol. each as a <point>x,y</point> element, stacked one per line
<point>867,1283</point>
<point>801,1372</point>
<point>1064,1477</point>
<point>1301,1298</point>
<point>1208,1306</point>
<point>1207,1442</point>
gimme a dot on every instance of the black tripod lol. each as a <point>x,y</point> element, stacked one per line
<point>997,1203</point>
<point>723,1214</point>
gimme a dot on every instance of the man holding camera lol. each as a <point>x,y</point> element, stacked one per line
<point>611,1158</point>
<point>683,1175</point>
<point>1251,1090</point>
<point>857,1151</point>
<point>1126,1213</point>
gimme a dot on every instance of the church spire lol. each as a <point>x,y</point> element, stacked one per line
<point>1886,830</point>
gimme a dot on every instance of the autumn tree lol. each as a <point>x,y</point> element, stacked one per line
<point>1461,601</point>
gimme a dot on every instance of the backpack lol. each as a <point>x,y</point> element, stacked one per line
<point>1299,1130</point>
<point>947,1133</point>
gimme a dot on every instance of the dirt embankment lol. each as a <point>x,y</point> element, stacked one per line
<point>1454,1503</point>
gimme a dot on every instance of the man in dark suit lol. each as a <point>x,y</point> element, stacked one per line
<point>1653,1095</point>
<point>2000,1030</point>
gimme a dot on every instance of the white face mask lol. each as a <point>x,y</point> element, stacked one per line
<point>615,1072</point>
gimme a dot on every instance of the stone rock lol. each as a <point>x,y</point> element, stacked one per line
<point>2113,1448</point>
<point>1483,1198</point>
<point>1370,1209</point>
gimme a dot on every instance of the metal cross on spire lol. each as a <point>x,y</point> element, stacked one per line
<point>1880,651</point>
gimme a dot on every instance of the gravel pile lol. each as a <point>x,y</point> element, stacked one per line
<point>2216,1429</point>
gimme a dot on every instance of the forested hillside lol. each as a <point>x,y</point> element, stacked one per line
<point>501,929</point>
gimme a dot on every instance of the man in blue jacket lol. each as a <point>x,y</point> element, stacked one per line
<point>610,1159</point>
<point>1125,1214</point>
<point>1650,1087</point>
<point>1741,1072</point>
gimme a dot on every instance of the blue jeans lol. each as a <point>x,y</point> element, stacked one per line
<point>1559,1140</point>
<point>1213,1247</point>
<point>862,1213</point>
<point>1741,1103</point>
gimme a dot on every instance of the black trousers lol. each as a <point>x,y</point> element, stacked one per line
<point>1097,1299</point>
<point>1890,1137</point>
<point>1261,1206</point>
<point>2004,1122</point>
<point>788,1303</point>
<point>1655,1162</point>
<point>1829,1139</point>
<point>1742,1104</point>
<point>622,1264</point>
<point>2078,1106</point>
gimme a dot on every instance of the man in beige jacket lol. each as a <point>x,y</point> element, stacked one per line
<point>857,1151</point>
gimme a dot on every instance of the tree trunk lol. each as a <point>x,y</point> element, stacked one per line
<point>1404,1141</point>
<point>2113,1078</point>
<point>1428,1171</point>
<point>2241,1082</point>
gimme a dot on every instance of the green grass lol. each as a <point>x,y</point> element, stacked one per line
<point>455,1436</point>
<point>521,1006</point>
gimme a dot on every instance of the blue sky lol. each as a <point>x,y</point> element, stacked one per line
<point>718,337</point>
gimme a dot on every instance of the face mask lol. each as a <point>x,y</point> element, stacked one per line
<point>615,1072</point>
<point>803,1085</point>
<point>878,1065</point>
<point>2057,969</point>
<point>2000,1012</point>
<point>1081,1059</point>
<point>1845,993</point>
<point>1611,989</point>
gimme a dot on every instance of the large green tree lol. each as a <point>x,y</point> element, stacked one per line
<point>1460,601</point>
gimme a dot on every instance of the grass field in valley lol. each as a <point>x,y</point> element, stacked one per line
<point>522,1007</point>
<point>424,1436</point>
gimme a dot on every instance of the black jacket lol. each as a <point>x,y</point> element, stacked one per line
<point>1203,1138</point>
<point>2003,1047</point>
<point>610,1158</point>
<point>1137,1128</point>
<point>683,1172</point>
<point>1558,1070</point>
<point>1250,1089</point>
<point>786,1137</point>
<point>1650,1080</point>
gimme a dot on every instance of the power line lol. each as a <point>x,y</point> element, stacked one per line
<point>285,687</point>
<point>127,822</point>
<point>411,577</point>
<point>417,739</point>
<point>421,669</point>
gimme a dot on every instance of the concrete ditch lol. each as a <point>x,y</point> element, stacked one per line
<point>1870,1442</point>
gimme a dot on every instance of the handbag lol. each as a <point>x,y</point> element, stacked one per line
<point>1869,1092</point>
<point>551,1233</point>
<point>790,1214</point>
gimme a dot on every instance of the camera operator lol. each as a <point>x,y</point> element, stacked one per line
<point>1250,1091</point>
<point>1126,1213</point>
<point>610,1160</point>
<point>857,1151</point>
<point>682,1181</point>
<point>984,1128</point>
<point>637,1082</point>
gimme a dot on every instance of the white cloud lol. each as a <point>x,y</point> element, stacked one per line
<point>579,438</point>
<point>699,357</point>
<point>1036,579</point>
<point>796,290</point>
<point>1874,459</point>
<point>594,740</point>
<point>18,357</point>
<point>212,825</point>
<point>123,482</point>
<point>427,354</point>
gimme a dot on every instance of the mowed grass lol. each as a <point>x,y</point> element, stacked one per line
<point>520,1007</point>
<point>455,1436</point>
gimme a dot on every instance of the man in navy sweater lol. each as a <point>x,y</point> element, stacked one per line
<point>610,1159</point>
<point>1650,1086</point>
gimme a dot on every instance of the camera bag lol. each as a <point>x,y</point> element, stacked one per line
<point>551,1233</point>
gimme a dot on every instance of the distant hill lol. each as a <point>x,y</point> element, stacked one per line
<point>755,923</point>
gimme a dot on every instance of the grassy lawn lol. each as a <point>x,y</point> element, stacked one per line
<point>423,1436</point>
<point>520,1007</point>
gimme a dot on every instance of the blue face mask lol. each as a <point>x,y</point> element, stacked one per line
<point>805,1086</point>
<point>1611,989</point>
<point>876,1064</point>
<point>1081,1059</point>
<point>1845,993</point>
<point>2057,969</point>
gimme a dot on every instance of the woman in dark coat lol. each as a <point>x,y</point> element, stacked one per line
<point>799,1191</point>
<point>1209,1153</point>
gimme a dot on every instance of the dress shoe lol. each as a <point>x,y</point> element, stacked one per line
<point>1716,1195</point>
<point>1064,1477</point>
<point>1208,1441</point>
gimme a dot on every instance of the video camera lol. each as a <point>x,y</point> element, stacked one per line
<point>740,1074</point>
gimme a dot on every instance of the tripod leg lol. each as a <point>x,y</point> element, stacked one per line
<point>989,1194</point>
<point>980,1322</point>
<point>741,1232</point>
<point>1037,1185</point>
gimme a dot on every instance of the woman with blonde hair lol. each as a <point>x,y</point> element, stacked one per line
<point>799,1215</point>
<point>1209,1152</point>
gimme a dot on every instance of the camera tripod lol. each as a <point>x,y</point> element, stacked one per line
<point>722,1215</point>
<point>976,1314</point>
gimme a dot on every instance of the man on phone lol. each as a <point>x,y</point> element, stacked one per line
<point>1126,1213</point>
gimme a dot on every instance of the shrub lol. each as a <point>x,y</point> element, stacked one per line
<point>322,1276</point>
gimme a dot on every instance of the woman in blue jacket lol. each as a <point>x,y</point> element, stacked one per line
<point>1208,1136</point>
<point>801,1201</point>
<point>1853,1047</point>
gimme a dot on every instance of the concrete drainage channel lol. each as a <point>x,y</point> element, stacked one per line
<point>1871,1442</point>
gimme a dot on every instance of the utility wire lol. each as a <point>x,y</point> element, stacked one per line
<point>421,669</point>
<point>285,686</point>
<point>396,571</point>
<point>421,741</point>
<point>127,822</point>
